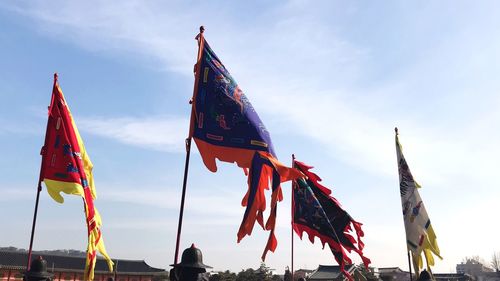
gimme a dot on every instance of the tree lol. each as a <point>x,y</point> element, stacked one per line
<point>247,275</point>
<point>474,260</point>
<point>261,274</point>
<point>495,261</point>
<point>223,276</point>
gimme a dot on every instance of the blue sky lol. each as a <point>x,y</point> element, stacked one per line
<point>330,80</point>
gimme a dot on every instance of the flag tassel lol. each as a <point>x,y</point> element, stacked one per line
<point>199,37</point>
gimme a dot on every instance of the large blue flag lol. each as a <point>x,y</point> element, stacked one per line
<point>225,126</point>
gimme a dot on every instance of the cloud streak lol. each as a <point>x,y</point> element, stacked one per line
<point>165,134</point>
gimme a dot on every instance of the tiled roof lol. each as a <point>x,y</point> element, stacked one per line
<point>328,272</point>
<point>389,269</point>
<point>17,260</point>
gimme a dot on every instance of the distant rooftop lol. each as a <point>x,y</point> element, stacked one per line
<point>18,259</point>
<point>328,272</point>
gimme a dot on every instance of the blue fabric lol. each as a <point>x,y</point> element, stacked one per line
<point>224,115</point>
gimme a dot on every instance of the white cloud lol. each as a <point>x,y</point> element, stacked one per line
<point>166,134</point>
<point>16,194</point>
<point>200,202</point>
<point>132,26</point>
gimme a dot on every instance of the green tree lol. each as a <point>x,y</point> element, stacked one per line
<point>223,276</point>
<point>247,275</point>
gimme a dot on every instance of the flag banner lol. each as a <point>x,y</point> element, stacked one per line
<point>263,168</point>
<point>320,215</point>
<point>420,236</point>
<point>225,126</point>
<point>66,167</point>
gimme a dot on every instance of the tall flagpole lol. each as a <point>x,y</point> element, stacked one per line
<point>199,37</point>
<point>39,188</point>
<point>293,210</point>
<point>409,266</point>
<point>407,251</point>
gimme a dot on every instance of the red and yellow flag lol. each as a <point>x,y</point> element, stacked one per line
<point>66,167</point>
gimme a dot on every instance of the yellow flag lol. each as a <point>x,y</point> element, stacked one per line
<point>420,236</point>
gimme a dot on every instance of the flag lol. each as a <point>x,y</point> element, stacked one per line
<point>263,168</point>
<point>66,167</point>
<point>420,236</point>
<point>320,215</point>
<point>225,126</point>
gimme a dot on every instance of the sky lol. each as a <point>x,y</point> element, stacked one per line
<point>330,79</point>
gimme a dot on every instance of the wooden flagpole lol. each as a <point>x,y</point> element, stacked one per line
<point>293,212</point>
<point>200,39</point>
<point>39,189</point>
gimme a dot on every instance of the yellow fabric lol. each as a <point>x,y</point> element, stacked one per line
<point>91,247</point>
<point>54,188</point>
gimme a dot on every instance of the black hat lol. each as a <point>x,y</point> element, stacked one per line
<point>424,275</point>
<point>191,257</point>
<point>38,270</point>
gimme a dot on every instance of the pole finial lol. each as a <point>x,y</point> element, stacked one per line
<point>202,29</point>
<point>55,76</point>
<point>396,130</point>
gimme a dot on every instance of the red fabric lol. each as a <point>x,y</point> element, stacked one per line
<point>61,145</point>
<point>265,169</point>
<point>338,247</point>
<point>61,160</point>
<point>209,152</point>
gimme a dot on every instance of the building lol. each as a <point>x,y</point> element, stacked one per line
<point>71,268</point>
<point>478,271</point>
<point>331,273</point>
<point>393,274</point>
<point>453,277</point>
<point>489,276</point>
<point>301,273</point>
<point>472,267</point>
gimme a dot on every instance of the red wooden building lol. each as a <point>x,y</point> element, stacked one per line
<point>70,268</point>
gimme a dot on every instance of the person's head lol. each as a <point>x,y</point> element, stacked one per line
<point>424,276</point>
<point>38,271</point>
<point>191,263</point>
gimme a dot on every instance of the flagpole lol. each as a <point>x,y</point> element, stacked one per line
<point>409,263</point>
<point>39,189</point>
<point>293,211</point>
<point>407,252</point>
<point>199,37</point>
